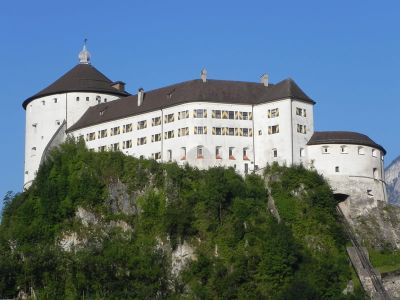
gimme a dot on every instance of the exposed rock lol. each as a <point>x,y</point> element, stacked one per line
<point>391,282</point>
<point>125,227</point>
<point>380,227</point>
<point>119,199</point>
<point>86,217</point>
<point>392,177</point>
<point>70,241</point>
<point>180,257</point>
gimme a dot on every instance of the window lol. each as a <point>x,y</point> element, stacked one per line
<point>156,137</point>
<point>58,122</point>
<point>361,151</point>
<point>127,144</point>
<point>127,128</point>
<point>247,131</point>
<point>337,169</point>
<point>34,125</point>
<point>87,98</point>
<point>200,113</point>
<point>200,152</point>
<point>230,131</point>
<point>246,168</point>
<point>217,131</point>
<point>141,141</point>
<point>375,173</point>
<point>101,148</point>
<point>115,146</point>
<point>302,152</point>
<point>183,153</point>
<point>374,153</point>
<point>91,136</point>
<point>245,115</point>
<point>183,115</point>
<point>325,149</point>
<point>169,118</point>
<point>141,124</point>
<point>301,112</point>
<point>273,129</point>
<point>224,114</point>
<point>245,154</point>
<point>156,121</point>
<point>183,131</point>
<point>369,193</point>
<point>231,115</point>
<point>260,132</point>
<point>77,99</point>
<point>169,155</point>
<point>301,128</point>
<point>169,134</point>
<point>115,131</point>
<point>200,130</point>
<point>231,152</point>
<point>105,100</point>
<point>216,114</point>
<point>55,100</point>
<point>98,99</point>
<point>273,113</point>
<point>102,133</point>
<point>274,153</point>
<point>43,102</point>
<point>218,153</point>
<point>156,155</point>
<point>343,149</point>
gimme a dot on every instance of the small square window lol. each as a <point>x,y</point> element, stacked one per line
<point>337,169</point>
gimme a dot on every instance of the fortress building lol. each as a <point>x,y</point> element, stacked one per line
<point>201,122</point>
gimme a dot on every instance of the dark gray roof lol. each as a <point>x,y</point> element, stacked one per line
<point>343,137</point>
<point>222,91</point>
<point>81,78</point>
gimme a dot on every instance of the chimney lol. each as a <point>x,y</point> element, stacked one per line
<point>264,79</point>
<point>203,75</point>
<point>119,85</point>
<point>140,96</point>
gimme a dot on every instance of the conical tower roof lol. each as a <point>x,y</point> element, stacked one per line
<point>81,78</point>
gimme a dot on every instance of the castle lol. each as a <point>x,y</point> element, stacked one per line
<point>202,122</point>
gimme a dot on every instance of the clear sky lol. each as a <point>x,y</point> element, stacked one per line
<point>343,54</point>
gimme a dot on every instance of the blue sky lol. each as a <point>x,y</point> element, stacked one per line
<point>344,54</point>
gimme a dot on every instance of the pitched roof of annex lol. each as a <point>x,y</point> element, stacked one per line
<point>81,78</point>
<point>343,137</point>
<point>219,91</point>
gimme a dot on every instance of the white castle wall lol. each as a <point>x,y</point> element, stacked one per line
<point>258,137</point>
<point>354,170</point>
<point>43,118</point>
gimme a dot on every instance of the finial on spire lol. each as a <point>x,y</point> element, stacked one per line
<point>84,55</point>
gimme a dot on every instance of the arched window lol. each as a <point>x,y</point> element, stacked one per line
<point>376,173</point>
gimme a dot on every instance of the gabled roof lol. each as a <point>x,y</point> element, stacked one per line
<point>222,91</point>
<point>343,137</point>
<point>81,78</point>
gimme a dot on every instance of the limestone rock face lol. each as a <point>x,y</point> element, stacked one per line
<point>392,177</point>
<point>379,227</point>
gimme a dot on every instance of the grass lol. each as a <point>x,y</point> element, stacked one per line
<point>385,261</point>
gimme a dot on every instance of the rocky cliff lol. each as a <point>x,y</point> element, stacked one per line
<point>392,176</point>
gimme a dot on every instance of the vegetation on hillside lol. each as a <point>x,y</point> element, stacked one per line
<point>240,250</point>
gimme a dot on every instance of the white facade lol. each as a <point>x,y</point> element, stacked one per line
<point>45,116</point>
<point>245,135</point>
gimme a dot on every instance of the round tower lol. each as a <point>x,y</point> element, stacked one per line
<point>354,166</point>
<point>57,107</point>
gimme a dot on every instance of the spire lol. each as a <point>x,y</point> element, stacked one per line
<point>84,55</point>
